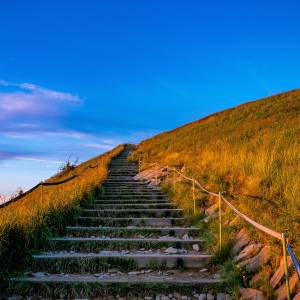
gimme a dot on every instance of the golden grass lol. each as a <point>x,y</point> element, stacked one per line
<point>251,151</point>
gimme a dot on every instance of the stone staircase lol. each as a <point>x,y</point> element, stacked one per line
<point>129,243</point>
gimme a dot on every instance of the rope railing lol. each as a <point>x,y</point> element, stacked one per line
<point>286,247</point>
<point>42,183</point>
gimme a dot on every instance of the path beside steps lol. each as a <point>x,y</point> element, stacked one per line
<point>129,243</point>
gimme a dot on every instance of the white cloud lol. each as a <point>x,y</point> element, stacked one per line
<point>98,146</point>
<point>28,99</point>
<point>62,96</point>
<point>38,160</point>
<point>36,89</point>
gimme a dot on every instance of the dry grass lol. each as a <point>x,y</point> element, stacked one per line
<point>25,224</point>
<point>251,151</point>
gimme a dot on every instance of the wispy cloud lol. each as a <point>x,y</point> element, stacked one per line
<point>39,160</point>
<point>12,154</point>
<point>36,89</point>
<point>98,146</point>
<point>28,99</point>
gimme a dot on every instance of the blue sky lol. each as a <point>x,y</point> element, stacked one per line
<point>79,77</point>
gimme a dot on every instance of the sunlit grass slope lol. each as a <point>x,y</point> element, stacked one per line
<point>252,151</point>
<point>25,224</point>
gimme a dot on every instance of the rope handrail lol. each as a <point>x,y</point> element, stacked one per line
<point>45,184</point>
<point>261,227</point>
<point>243,216</point>
<point>280,236</point>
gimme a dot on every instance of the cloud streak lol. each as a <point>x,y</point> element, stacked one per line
<point>39,160</point>
<point>28,100</point>
<point>48,93</point>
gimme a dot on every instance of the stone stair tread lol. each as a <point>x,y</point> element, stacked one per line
<point>133,228</point>
<point>131,218</point>
<point>134,210</point>
<point>133,204</point>
<point>182,277</point>
<point>131,198</point>
<point>106,254</point>
<point>161,240</point>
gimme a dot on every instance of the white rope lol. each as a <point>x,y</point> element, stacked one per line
<point>263,228</point>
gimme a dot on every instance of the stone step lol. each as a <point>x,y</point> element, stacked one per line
<point>123,177</point>
<point>127,182</point>
<point>131,193</point>
<point>122,171</point>
<point>118,181</point>
<point>132,205</point>
<point>123,167</point>
<point>132,184</point>
<point>146,276</point>
<point>109,221</point>
<point>131,231</point>
<point>96,244</point>
<point>96,262</point>
<point>143,284</point>
<point>130,188</point>
<point>129,196</point>
<point>130,201</point>
<point>133,188</point>
<point>131,174</point>
<point>150,212</point>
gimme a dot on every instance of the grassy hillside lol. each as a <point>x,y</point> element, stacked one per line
<point>251,151</point>
<point>25,224</point>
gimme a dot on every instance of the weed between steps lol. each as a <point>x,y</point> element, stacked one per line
<point>72,290</point>
<point>96,246</point>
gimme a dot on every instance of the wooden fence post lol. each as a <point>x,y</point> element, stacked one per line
<point>220,222</point>
<point>288,293</point>
<point>194,197</point>
<point>174,181</point>
<point>139,163</point>
<point>167,174</point>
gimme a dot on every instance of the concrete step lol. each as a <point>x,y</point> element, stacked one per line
<point>132,192</point>
<point>151,212</point>
<point>96,244</point>
<point>148,276</point>
<point>97,262</point>
<point>109,221</point>
<point>118,181</point>
<point>120,165</point>
<point>120,177</point>
<point>130,201</point>
<point>131,231</point>
<point>119,285</point>
<point>123,171</point>
<point>137,191</point>
<point>130,188</point>
<point>131,205</point>
<point>131,197</point>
